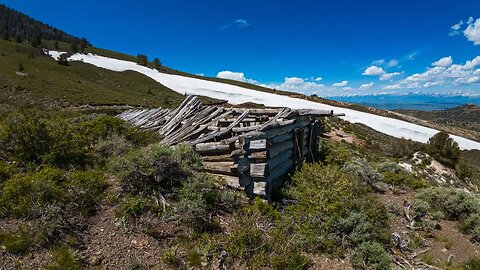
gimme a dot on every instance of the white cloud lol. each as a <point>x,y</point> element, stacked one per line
<point>457,25</point>
<point>348,88</point>
<point>317,79</point>
<point>472,32</point>
<point>455,29</point>
<point>340,84</point>
<point>379,62</point>
<point>444,72</point>
<point>477,72</point>
<point>293,80</point>
<point>237,76</point>
<point>392,63</point>
<point>430,84</point>
<point>388,76</point>
<point>239,23</point>
<point>366,85</point>
<point>373,71</point>
<point>443,62</point>
<point>472,64</point>
<point>393,87</point>
<point>470,80</point>
<point>411,56</point>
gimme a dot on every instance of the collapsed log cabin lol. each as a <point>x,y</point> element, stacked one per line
<point>254,149</point>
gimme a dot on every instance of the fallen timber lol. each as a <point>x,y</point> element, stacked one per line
<point>253,149</point>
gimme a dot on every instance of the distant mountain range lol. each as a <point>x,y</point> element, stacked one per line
<point>411,101</point>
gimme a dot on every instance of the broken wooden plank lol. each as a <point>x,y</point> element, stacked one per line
<point>257,144</point>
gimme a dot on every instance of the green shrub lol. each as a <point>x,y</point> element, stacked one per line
<point>103,127</point>
<point>453,204</point>
<point>27,195</point>
<point>5,171</point>
<point>134,206</point>
<point>113,146</point>
<point>363,170</point>
<point>371,256</point>
<point>403,179</point>
<point>84,189</point>
<point>463,171</point>
<point>31,138</point>
<point>18,242</point>
<point>199,199</point>
<point>331,212</point>
<point>63,259</point>
<point>32,194</point>
<point>155,168</point>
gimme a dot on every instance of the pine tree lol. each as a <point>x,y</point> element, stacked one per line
<point>36,40</point>
<point>444,149</point>
<point>157,64</point>
<point>82,45</point>
<point>6,35</point>
<point>142,60</point>
<point>55,45</point>
<point>18,39</point>
<point>74,46</point>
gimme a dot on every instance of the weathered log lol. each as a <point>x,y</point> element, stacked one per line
<point>258,155</point>
<point>213,148</point>
<point>218,158</point>
<point>309,112</point>
<point>219,167</point>
<point>258,170</point>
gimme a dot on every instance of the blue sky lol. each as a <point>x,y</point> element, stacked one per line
<point>324,47</point>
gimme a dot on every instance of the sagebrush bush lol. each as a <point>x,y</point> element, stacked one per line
<point>453,204</point>
<point>199,199</point>
<point>332,212</point>
<point>112,146</point>
<point>363,170</point>
<point>371,256</point>
<point>30,195</point>
<point>155,168</point>
<point>31,138</point>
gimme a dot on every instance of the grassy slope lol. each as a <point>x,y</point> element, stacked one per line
<point>75,84</point>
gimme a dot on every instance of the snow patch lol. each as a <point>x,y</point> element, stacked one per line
<point>237,95</point>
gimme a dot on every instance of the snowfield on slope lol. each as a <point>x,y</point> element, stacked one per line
<point>236,95</point>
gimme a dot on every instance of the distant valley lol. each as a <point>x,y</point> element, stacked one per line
<point>412,101</point>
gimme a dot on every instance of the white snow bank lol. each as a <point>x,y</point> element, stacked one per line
<point>236,95</point>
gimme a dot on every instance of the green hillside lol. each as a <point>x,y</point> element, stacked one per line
<point>24,68</point>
